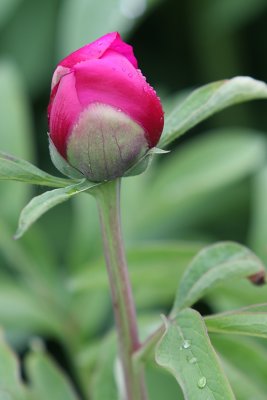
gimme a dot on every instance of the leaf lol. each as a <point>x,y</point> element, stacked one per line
<point>35,60</point>
<point>248,357</point>
<point>186,352</point>
<point>206,101</point>
<point>16,136</point>
<point>22,310</point>
<point>41,204</point>
<point>183,190</point>
<point>104,384</point>
<point>46,379</point>
<point>258,227</point>
<point>13,168</point>
<point>105,16</point>
<point>250,321</point>
<point>11,386</point>
<point>243,386</point>
<point>7,8</point>
<point>215,264</point>
<point>155,269</point>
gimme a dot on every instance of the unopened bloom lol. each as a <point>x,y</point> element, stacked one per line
<point>103,115</point>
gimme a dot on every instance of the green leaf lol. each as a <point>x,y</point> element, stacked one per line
<point>23,310</point>
<point>186,352</point>
<point>7,8</point>
<point>258,226</point>
<point>244,387</point>
<point>41,204</point>
<point>155,269</point>
<point>206,101</point>
<point>16,169</point>
<point>11,386</point>
<point>248,357</point>
<point>36,60</point>
<point>16,137</point>
<point>250,321</point>
<point>105,16</point>
<point>46,379</point>
<point>181,191</point>
<point>213,265</point>
<point>104,384</point>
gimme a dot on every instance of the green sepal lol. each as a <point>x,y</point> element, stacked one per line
<point>61,164</point>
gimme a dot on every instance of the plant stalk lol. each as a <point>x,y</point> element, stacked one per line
<point>108,200</point>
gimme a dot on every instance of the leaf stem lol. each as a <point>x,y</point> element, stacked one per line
<point>108,200</point>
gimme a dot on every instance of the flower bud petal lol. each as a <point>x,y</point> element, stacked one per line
<point>102,78</point>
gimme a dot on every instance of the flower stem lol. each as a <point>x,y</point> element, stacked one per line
<point>108,199</point>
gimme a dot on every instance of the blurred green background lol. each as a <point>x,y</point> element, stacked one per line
<point>213,185</point>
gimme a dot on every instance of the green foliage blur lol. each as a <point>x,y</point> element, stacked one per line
<point>213,186</point>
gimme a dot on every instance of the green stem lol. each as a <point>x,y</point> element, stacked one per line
<point>108,199</point>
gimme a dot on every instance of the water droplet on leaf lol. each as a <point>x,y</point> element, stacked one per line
<point>192,360</point>
<point>202,382</point>
<point>186,344</point>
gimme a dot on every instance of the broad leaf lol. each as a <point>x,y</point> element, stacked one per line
<point>16,169</point>
<point>258,228</point>
<point>105,16</point>
<point>22,310</point>
<point>186,352</point>
<point>47,380</point>
<point>215,264</point>
<point>183,190</point>
<point>246,358</point>
<point>10,384</point>
<point>207,100</point>
<point>250,321</point>
<point>41,204</point>
<point>104,385</point>
<point>16,137</point>
<point>154,269</point>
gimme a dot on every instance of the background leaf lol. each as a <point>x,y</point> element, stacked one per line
<point>215,264</point>
<point>10,382</point>
<point>13,168</point>
<point>41,204</point>
<point>186,352</point>
<point>251,321</point>
<point>44,375</point>
<point>208,100</point>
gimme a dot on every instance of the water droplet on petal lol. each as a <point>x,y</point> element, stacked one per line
<point>192,360</point>
<point>202,382</point>
<point>130,75</point>
<point>186,344</point>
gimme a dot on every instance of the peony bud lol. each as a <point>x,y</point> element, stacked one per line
<point>103,115</point>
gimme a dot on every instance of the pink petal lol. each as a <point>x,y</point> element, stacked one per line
<point>97,48</point>
<point>113,80</point>
<point>64,109</point>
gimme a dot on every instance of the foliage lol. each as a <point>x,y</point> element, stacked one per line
<point>211,187</point>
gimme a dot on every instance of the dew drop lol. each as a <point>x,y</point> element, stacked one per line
<point>202,382</point>
<point>192,360</point>
<point>130,75</point>
<point>186,344</point>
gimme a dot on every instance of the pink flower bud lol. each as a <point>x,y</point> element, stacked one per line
<point>103,115</point>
